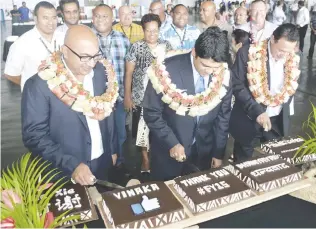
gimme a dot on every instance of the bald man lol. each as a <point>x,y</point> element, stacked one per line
<point>126,26</point>
<point>82,147</point>
<point>157,7</point>
<point>208,19</point>
<point>240,16</point>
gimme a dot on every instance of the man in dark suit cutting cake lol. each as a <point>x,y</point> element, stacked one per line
<point>264,81</point>
<point>187,107</point>
<point>65,120</point>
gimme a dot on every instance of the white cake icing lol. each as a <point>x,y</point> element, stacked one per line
<point>259,161</point>
<point>283,142</point>
<point>270,169</point>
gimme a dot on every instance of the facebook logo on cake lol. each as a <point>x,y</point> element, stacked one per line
<point>146,205</point>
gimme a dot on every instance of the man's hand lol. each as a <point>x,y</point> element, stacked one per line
<point>128,104</point>
<point>216,163</point>
<point>264,121</point>
<point>83,175</point>
<point>177,152</point>
<point>114,158</point>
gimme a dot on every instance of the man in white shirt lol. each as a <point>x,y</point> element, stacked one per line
<point>34,46</point>
<point>293,13</point>
<point>157,7</point>
<point>181,35</point>
<point>302,21</point>
<point>70,11</point>
<point>252,121</point>
<point>81,145</point>
<point>258,27</point>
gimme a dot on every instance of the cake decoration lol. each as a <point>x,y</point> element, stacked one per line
<point>287,148</point>
<point>265,173</point>
<point>211,189</point>
<point>147,205</point>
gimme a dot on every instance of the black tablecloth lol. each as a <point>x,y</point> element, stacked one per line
<point>283,212</point>
<point>6,47</point>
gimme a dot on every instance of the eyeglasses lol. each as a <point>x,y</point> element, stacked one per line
<point>95,58</point>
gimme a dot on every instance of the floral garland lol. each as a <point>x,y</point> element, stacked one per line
<point>70,91</point>
<point>179,101</point>
<point>258,78</point>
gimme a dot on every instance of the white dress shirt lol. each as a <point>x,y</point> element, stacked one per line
<point>302,17</point>
<point>276,83</point>
<point>93,124</point>
<point>27,53</point>
<point>278,15</point>
<point>262,34</point>
<point>60,34</point>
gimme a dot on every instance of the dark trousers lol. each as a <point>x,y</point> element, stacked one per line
<point>243,152</point>
<point>312,45</point>
<point>100,167</point>
<point>302,32</point>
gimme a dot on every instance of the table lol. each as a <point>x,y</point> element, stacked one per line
<point>271,209</point>
<point>6,46</point>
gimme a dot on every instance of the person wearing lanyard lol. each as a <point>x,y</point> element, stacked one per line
<point>131,30</point>
<point>114,46</point>
<point>34,46</point>
<point>180,34</point>
<point>182,139</point>
<point>258,27</point>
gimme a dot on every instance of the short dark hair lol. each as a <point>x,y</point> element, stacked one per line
<point>301,3</point>
<point>149,18</point>
<point>213,43</point>
<point>178,5</point>
<point>287,31</point>
<point>43,4</point>
<point>240,36</point>
<point>62,3</point>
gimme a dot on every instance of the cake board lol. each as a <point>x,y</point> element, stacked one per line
<point>234,207</point>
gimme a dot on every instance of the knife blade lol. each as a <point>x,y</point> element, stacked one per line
<point>107,184</point>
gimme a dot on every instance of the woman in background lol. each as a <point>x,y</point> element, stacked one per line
<point>138,59</point>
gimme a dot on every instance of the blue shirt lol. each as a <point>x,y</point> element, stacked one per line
<point>24,14</point>
<point>181,39</point>
<point>114,47</point>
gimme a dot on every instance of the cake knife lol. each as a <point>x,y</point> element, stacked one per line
<point>107,184</point>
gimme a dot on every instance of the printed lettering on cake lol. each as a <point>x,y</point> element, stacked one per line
<point>67,199</point>
<point>136,191</point>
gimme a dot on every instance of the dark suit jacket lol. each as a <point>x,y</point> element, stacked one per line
<point>59,134</point>
<point>243,125</point>
<point>168,129</point>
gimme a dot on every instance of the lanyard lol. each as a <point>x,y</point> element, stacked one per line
<point>50,52</point>
<point>181,39</point>
<point>130,32</point>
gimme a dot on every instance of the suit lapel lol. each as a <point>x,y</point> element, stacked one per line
<point>186,74</point>
<point>99,86</point>
<point>202,117</point>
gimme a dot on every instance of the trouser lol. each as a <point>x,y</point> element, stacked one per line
<point>120,117</point>
<point>312,45</point>
<point>245,151</point>
<point>101,166</point>
<point>293,17</point>
<point>302,32</point>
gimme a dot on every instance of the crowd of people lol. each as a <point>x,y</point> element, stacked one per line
<point>182,110</point>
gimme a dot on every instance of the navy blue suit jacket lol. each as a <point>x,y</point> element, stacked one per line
<point>167,129</point>
<point>59,134</point>
<point>243,124</point>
